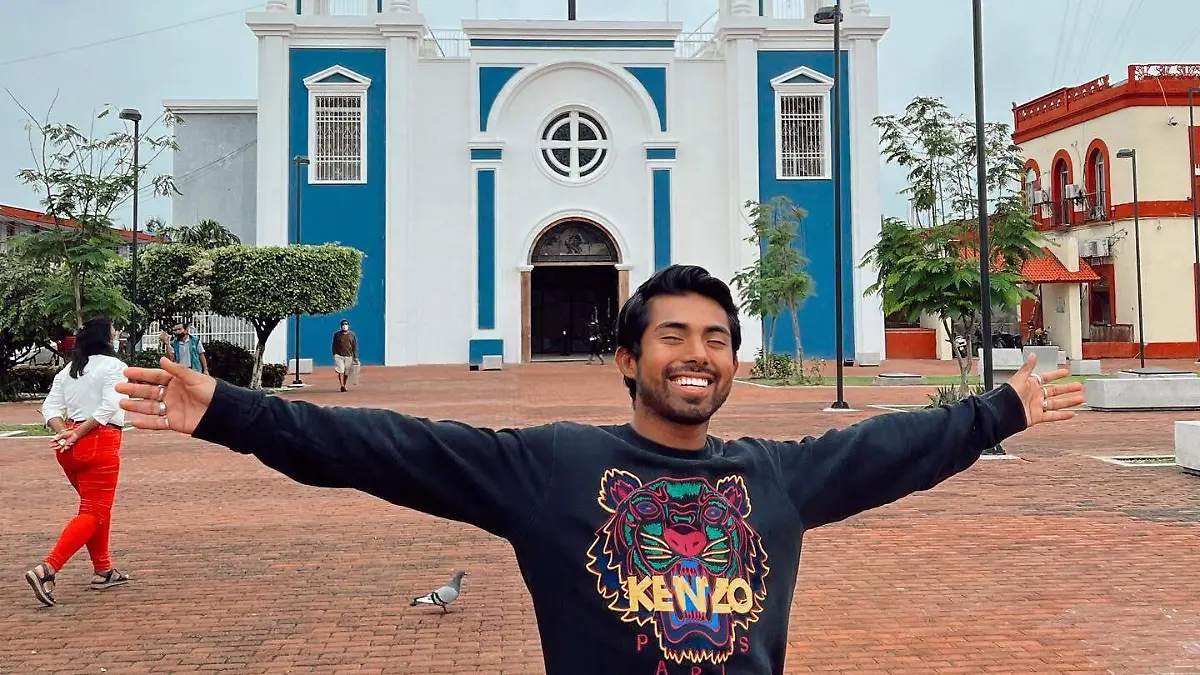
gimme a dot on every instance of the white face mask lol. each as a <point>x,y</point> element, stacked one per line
<point>345,329</point>
<point>116,344</point>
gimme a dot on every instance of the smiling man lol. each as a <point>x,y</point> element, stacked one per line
<point>649,548</point>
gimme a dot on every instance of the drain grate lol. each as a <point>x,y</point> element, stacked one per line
<point>1140,460</point>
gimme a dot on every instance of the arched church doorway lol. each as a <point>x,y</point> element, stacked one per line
<point>574,281</point>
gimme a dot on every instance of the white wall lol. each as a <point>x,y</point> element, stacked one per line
<point>440,245</point>
<point>1161,152</point>
<point>527,199</point>
<point>700,183</point>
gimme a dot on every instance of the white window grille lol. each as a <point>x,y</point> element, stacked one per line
<point>802,124</point>
<point>574,146</point>
<point>337,129</point>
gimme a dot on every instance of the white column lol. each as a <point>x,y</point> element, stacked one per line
<point>400,285</point>
<point>272,212</point>
<point>742,83</point>
<point>865,207</point>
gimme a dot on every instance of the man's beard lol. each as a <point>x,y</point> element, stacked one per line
<point>659,400</point>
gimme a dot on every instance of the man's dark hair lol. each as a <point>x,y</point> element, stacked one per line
<point>634,317</point>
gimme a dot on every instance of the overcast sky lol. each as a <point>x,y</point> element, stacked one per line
<point>136,53</point>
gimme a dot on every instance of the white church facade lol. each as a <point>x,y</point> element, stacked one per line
<point>512,180</point>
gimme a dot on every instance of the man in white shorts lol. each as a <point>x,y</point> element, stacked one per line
<point>345,352</point>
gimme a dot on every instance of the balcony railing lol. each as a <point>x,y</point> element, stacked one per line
<point>1103,332</point>
<point>339,7</point>
<point>454,44</point>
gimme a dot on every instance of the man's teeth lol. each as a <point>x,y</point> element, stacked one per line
<point>691,381</point>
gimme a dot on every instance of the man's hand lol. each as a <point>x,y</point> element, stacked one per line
<point>1045,402</point>
<point>173,398</point>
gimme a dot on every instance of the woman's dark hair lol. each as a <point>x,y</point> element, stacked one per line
<point>634,316</point>
<point>94,338</point>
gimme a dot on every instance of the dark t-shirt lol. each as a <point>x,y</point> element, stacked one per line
<point>641,559</point>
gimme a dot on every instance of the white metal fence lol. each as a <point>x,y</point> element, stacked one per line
<point>208,327</point>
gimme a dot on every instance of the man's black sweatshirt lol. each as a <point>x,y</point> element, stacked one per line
<point>641,559</point>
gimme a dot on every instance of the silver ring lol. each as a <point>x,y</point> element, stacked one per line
<point>162,392</point>
<point>1045,404</point>
<point>1038,378</point>
<point>162,409</point>
<point>1045,393</point>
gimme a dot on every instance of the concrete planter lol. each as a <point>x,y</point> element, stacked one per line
<point>1005,363</point>
<point>1143,393</point>
<point>1047,357</point>
<point>1187,446</point>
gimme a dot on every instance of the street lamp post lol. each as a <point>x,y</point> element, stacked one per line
<point>1130,154</point>
<point>299,161</point>
<point>135,116</point>
<point>1191,131</point>
<point>825,16</point>
<point>985,279</point>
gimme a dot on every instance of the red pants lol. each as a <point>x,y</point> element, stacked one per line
<point>92,466</point>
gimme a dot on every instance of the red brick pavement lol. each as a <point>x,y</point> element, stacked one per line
<point>1057,563</point>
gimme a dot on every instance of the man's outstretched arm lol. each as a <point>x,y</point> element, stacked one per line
<point>495,480</point>
<point>882,459</point>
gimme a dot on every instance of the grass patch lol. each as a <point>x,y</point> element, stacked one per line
<point>869,380</point>
<point>26,430</point>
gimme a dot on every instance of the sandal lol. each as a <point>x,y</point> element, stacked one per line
<point>108,579</point>
<point>41,578</point>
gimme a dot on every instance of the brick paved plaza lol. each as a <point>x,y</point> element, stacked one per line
<point>1058,563</point>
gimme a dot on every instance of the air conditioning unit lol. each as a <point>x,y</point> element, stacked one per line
<point>1072,191</point>
<point>1102,250</point>
<point>1087,249</point>
<point>1041,196</point>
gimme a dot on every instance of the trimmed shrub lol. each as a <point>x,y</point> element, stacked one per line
<point>774,366</point>
<point>229,362</point>
<point>273,374</point>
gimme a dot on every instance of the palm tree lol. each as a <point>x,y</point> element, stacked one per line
<point>206,234</point>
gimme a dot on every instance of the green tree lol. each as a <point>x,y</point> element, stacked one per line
<point>83,180</point>
<point>25,324</point>
<point>174,282</point>
<point>931,267</point>
<point>266,285</point>
<point>206,234</point>
<point>777,280</point>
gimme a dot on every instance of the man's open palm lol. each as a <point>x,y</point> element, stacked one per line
<point>1045,402</point>
<point>173,398</point>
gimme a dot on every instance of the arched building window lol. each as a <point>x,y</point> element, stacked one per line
<point>1060,180</point>
<point>1097,181</point>
<point>1031,185</point>
<point>574,241</point>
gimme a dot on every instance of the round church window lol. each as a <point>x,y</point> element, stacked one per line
<point>574,145</point>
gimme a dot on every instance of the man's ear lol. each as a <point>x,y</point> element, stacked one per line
<point>626,363</point>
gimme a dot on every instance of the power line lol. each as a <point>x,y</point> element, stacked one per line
<point>127,37</point>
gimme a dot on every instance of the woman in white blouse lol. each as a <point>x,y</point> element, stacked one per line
<point>83,408</point>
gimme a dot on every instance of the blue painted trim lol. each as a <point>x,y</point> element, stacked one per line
<point>491,81</point>
<point>573,44</point>
<point>327,208</point>
<point>485,153</point>
<point>481,348</point>
<point>815,196</point>
<point>379,6</point>
<point>762,11</point>
<point>660,153</point>
<point>486,207</point>
<point>655,82</point>
<point>299,4</point>
<point>662,218</point>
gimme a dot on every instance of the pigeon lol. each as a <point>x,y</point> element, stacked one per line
<point>442,596</point>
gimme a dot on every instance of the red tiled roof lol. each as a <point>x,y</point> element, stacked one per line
<point>39,218</point>
<point>1048,269</point>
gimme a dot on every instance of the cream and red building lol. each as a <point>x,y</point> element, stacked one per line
<point>1081,195</point>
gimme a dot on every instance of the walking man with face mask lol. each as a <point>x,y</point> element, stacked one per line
<point>345,353</point>
<point>649,548</point>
